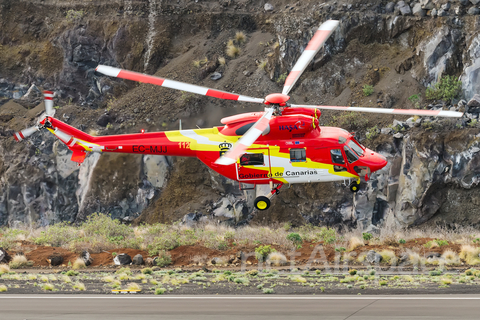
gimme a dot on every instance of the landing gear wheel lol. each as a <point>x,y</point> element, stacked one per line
<point>262,203</point>
<point>354,187</point>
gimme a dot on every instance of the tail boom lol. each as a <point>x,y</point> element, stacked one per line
<point>81,144</point>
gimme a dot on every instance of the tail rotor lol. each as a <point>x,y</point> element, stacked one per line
<point>49,112</point>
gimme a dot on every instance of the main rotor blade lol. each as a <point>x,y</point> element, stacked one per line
<point>19,136</point>
<point>48,98</point>
<point>413,112</point>
<point>318,40</point>
<point>135,76</point>
<point>247,139</point>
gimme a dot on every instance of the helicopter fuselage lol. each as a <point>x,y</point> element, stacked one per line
<point>294,149</point>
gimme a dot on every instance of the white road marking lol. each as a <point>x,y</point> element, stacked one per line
<point>430,297</point>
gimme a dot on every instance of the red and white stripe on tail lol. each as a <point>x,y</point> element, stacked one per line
<point>318,40</point>
<point>19,136</point>
<point>247,139</point>
<point>172,84</point>
<point>413,112</point>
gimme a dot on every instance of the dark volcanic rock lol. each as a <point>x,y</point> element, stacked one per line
<point>56,260</point>
<point>122,259</point>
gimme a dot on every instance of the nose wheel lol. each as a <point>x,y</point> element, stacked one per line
<point>354,186</point>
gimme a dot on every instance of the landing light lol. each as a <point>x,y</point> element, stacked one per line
<point>142,131</point>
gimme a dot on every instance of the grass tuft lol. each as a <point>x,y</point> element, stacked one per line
<point>79,286</point>
<point>233,51</point>
<point>133,287</point>
<point>3,288</point>
<point>147,271</point>
<point>48,287</point>
<point>451,257</point>
<point>240,37</point>
<point>160,291</point>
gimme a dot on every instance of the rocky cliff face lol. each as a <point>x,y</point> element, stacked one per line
<point>398,48</point>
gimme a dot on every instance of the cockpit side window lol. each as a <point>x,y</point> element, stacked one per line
<point>356,147</point>
<point>351,156</point>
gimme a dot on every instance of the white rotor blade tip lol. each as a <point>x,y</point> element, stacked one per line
<point>107,70</point>
<point>329,25</point>
<point>48,98</point>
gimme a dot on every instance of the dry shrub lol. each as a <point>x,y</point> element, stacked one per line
<point>19,261</point>
<point>349,257</point>
<point>222,61</point>
<point>362,256</point>
<point>4,268</point>
<point>277,259</point>
<point>233,51</point>
<point>262,64</point>
<point>451,257</point>
<point>469,254</point>
<point>388,257</point>
<point>79,264</point>
<point>354,243</point>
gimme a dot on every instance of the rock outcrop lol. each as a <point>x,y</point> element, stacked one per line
<point>398,47</point>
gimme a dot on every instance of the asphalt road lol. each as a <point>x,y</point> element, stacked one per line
<point>73,307</point>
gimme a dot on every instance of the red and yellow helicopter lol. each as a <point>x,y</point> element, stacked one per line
<point>283,144</point>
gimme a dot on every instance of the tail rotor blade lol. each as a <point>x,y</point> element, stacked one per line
<point>413,112</point>
<point>145,78</point>
<point>49,110</point>
<point>247,139</point>
<point>318,40</point>
<point>21,135</point>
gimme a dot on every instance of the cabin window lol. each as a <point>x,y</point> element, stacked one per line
<point>252,159</point>
<point>337,157</point>
<point>351,156</point>
<point>298,155</point>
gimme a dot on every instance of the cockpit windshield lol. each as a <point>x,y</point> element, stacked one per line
<point>355,146</point>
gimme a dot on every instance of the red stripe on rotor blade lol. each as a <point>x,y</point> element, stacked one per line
<point>262,125</point>
<point>222,95</point>
<point>48,92</point>
<point>291,78</point>
<point>21,135</point>
<point>48,98</point>
<point>419,112</point>
<point>135,76</point>
<point>16,136</point>
<point>319,37</point>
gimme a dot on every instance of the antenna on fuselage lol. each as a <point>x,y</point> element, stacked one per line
<point>179,124</point>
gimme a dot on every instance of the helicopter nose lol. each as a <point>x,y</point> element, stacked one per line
<point>374,161</point>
